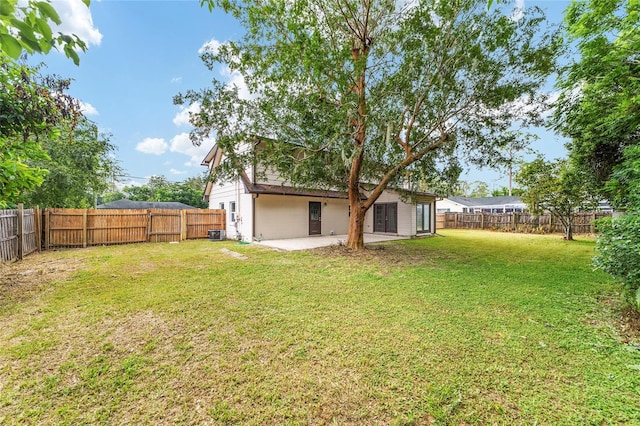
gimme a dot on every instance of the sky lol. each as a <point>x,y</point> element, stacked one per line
<point>141,53</point>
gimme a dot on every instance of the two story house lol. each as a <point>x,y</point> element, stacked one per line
<point>268,208</point>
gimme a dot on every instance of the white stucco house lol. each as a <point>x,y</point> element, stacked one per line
<point>269,208</point>
<point>505,204</point>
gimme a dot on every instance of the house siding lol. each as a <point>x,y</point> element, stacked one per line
<point>406,214</point>
<point>279,216</point>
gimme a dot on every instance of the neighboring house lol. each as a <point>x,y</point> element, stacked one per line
<point>481,204</point>
<point>270,209</point>
<point>128,204</point>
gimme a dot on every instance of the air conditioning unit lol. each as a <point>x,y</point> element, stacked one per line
<point>216,234</point>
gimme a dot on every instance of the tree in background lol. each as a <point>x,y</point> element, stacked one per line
<point>159,188</point>
<point>25,27</point>
<point>504,191</point>
<point>369,90</point>
<point>599,107</point>
<point>80,165</point>
<point>557,187</point>
<point>34,107</point>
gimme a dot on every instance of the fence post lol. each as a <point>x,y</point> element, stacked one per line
<point>482,220</point>
<point>183,225</point>
<point>84,228</point>
<point>46,229</point>
<point>149,216</point>
<point>37,219</point>
<point>20,231</point>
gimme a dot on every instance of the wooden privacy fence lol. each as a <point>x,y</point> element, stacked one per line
<point>23,231</point>
<point>521,222</point>
<point>83,227</point>
<point>19,233</point>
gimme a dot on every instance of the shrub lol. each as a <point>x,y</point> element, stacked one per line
<point>618,252</point>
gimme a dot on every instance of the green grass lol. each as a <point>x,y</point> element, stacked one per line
<point>472,328</point>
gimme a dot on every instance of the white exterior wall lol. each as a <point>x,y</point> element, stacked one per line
<point>281,216</point>
<point>271,178</point>
<point>234,192</point>
<point>453,207</point>
<point>406,214</point>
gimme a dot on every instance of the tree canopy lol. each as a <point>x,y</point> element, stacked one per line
<point>373,93</point>
<point>33,107</point>
<point>599,108</point>
<point>80,166</point>
<point>557,187</point>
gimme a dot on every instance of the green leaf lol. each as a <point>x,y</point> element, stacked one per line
<point>10,46</point>
<point>47,10</point>
<point>7,7</point>
<point>71,54</point>
<point>43,28</point>
<point>86,2</point>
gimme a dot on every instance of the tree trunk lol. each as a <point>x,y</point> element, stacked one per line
<point>355,237</point>
<point>568,228</point>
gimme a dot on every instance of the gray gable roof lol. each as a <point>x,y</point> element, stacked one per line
<point>128,204</point>
<point>486,201</point>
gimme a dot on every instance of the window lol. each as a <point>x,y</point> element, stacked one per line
<point>232,208</point>
<point>221,206</point>
<point>423,217</point>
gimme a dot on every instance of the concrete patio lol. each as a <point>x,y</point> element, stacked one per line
<point>312,242</point>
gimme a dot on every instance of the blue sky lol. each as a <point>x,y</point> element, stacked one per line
<point>142,53</point>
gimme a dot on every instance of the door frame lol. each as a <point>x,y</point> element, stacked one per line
<point>315,228</point>
<point>385,208</point>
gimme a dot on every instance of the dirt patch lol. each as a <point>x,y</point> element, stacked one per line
<point>22,280</point>
<point>628,324</point>
<point>389,255</point>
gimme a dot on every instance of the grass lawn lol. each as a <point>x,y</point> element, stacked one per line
<point>470,328</point>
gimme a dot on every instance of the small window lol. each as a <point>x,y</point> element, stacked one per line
<point>221,206</point>
<point>232,210</point>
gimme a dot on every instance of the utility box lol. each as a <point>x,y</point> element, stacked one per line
<point>216,234</point>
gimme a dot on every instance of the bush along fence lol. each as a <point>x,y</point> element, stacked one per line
<point>25,231</point>
<point>517,222</point>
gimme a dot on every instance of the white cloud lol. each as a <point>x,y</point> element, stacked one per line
<point>518,10</point>
<point>87,108</point>
<point>183,145</point>
<point>156,146</point>
<point>176,80</point>
<point>182,117</point>
<point>76,19</point>
<point>212,46</point>
<point>177,172</point>
<point>236,79</point>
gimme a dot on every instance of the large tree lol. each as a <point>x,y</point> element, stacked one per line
<point>599,108</point>
<point>80,164</point>
<point>361,95</point>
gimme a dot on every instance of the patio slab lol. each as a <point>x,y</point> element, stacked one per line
<point>311,242</point>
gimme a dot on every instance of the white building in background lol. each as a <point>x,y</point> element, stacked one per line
<point>480,204</point>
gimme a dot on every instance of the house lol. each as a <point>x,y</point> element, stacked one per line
<point>268,208</point>
<point>504,204</point>
<point>128,204</point>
